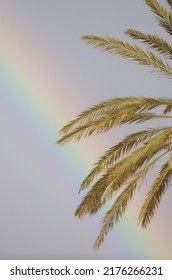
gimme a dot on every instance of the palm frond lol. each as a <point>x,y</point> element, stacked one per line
<point>167,109</point>
<point>125,168</point>
<point>106,122</point>
<point>137,104</point>
<point>121,202</point>
<point>154,196</point>
<point>121,112</point>
<point>118,208</point>
<point>124,165</point>
<point>130,51</point>
<point>153,41</point>
<point>117,175</point>
<point>114,182</point>
<point>90,201</point>
<point>164,17</point>
<point>116,152</point>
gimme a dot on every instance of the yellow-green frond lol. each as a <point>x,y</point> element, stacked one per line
<point>130,51</point>
<point>137,104</point>
<point>123,113</point>
<point>154,196</point>
<point>125,168</point>
<point>164,17</point>
<point>106,122</point>
<point>117,175</point>
<point>121,202</point>
<point>116,152</point>
<point>167,109</point>
<point>91,200</point>
<point>153,41</point>
<point>118,208</point>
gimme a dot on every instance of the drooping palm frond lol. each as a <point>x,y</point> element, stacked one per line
<point>124,165</point>
<point>116,152</point>
<point>129,165</point>
<point>164,17</point>
<point>115,183</point>
<point>118,111</point>
<point>153,41</point>
<point>106,122</point>
<point>154,196</point>
<point>136,104</point>
<point>117,175</point>
<point>121,202</point>
<point>118,208</point>
<point>130,51</point>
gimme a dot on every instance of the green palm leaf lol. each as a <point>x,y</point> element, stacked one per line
<point>116,111</point>
<point>124,165</point>
<point>121,202</point>
<point>153,41</point>
<point>118,208</point>
<point>164,17</point>
<point>106,122</point>
<point>136,104</point>
<point>125,168</point>
<point>154,196</point>
<point>117,175</point>
<point>116,152</point>
<point>127,50</point>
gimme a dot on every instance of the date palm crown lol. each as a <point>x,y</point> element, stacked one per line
<point>127,163</point>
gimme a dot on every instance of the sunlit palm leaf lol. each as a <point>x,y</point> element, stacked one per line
<point>125,104</point>
<point>121,202</point>
<point>154,196</point>
<point>118,174</point>
<point>118,208</point>
<point>129,165</point>
<point>116,152</point>
<point>153,41</point>
<point>127,50</point>
<point>123,166</point>
<point>106,122</point>
<point>135,104</point>
<point>164,17</point>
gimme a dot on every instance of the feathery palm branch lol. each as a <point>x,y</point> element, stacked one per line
<point>125,165</point>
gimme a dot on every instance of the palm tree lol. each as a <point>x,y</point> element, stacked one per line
<point>127,163</point>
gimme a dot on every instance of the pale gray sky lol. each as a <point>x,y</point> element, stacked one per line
<point>39,183</point>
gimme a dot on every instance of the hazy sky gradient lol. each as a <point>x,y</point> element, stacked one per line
<point>48,75</point>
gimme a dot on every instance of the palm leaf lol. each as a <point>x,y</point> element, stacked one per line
<point>130,51</point>
<point>164,17</point>
<point>125,168</point>
<point>121,112</point>
<point>136,104</point>
<point>154,196</point>
<point>167,109</point>
<point>118,208</point>
<point>127,163</point>
<point>153,41</point>
<point>116,152</point>
<point>121,202</point>
<point>118,175</point>
<point>106,122</point>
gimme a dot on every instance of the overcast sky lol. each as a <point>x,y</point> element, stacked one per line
<point>48,75</point>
